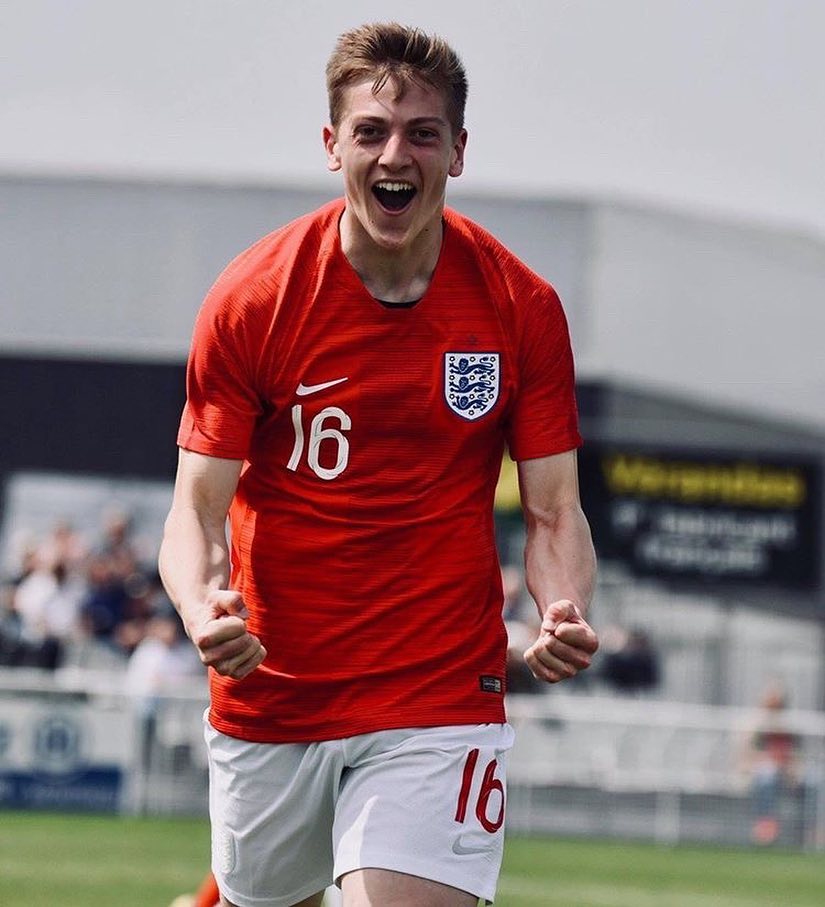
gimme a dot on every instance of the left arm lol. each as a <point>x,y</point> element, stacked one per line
<point>560,566</point>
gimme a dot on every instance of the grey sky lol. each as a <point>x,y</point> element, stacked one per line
<point>708,104</point>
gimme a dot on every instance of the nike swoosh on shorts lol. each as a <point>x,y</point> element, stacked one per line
<point>460,849</point>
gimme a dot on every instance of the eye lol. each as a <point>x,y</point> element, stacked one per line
<point>366,132</point>
<point>424,134</point>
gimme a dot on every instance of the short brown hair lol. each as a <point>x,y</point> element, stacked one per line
<point>386,50</point>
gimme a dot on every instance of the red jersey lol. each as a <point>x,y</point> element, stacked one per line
<point>362,534</point>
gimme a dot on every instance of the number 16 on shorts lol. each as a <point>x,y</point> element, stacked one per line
<point>489,801</point>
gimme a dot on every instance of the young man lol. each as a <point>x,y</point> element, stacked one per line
<point>354,378</point>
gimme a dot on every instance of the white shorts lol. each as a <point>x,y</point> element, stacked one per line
<point>288,819</point>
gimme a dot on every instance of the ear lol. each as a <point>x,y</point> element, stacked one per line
<point>331,146</point>
<point>457,154</point>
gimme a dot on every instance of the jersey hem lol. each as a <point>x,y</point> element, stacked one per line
<point>255,734</point>
<point>560,445</point>
<point>199,445</point>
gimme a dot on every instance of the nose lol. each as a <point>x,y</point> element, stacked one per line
<point>395,154</point>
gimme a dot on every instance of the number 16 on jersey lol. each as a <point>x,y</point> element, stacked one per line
<point>318,433</point>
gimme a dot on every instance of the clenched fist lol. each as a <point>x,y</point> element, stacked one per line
<point>565,645</point>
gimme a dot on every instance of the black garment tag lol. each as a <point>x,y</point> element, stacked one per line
<point>490,684</point>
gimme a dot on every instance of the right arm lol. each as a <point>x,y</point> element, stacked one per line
<point>194,565</point>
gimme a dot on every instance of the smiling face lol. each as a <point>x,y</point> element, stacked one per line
<point>395,151</point>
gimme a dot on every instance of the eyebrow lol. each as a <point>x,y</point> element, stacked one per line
<point>416,121</point>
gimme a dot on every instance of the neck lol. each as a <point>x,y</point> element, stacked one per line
<point>392,274</point>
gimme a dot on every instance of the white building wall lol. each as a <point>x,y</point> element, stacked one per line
<point>119,270</point>
<point>725,313</point>
<point>721,312</point>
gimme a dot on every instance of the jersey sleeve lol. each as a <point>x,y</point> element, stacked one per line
<point>222,403</point>
<point>544,420</point>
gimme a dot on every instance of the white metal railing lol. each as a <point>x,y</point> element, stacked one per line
<point>663,760</point>
<point>76,739</point>
<point>580,764</point>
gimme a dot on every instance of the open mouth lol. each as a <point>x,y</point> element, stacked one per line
<point>394,195</point>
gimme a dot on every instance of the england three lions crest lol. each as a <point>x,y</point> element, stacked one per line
<point>471,383</point>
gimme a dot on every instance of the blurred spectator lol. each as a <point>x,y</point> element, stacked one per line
<point>629,663</point>
<point>144,598</point>
<point>104,605</point>
<point>14,650</point>
<point>162,657</point>
<point>75,603</point>
<point>11,645</point>
<point>773,764</point>
<point>121,594</point>
<point>47,602</point>
<point>26,559</point>
<point>64,545</point>
<point>159,660</point>
<point>118,544</point>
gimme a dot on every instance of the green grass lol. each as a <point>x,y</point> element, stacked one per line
<point>88,861</point>
<point>72,860</point>
<point>586,873</point>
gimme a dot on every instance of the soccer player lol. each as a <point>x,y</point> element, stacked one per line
<point>353,380</point>
<point>207,895</point>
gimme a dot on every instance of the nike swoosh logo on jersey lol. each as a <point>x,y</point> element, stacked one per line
<point>460,849</point>
<point>303,390</point>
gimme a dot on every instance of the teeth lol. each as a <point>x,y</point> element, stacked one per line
<point>389,186</point>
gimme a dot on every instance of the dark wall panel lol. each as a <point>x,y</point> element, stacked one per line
<point>112,418</point>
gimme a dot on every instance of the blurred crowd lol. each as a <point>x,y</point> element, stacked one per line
<point>70,600</point>
<point>75,599</point>
<point>627,664</point>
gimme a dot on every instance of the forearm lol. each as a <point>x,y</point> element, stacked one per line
<point>560,562</point>
<point>193,560</point>
<point>194,565</point>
